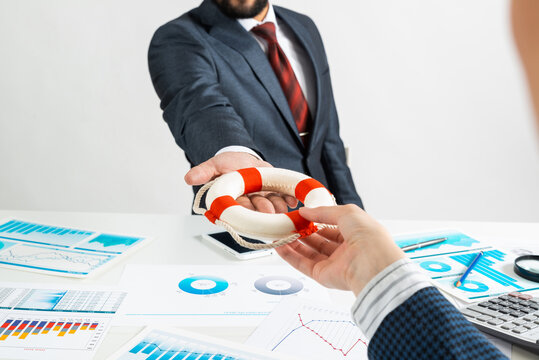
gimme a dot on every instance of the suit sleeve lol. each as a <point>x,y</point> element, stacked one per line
<point>337,171</point>
<point>200,117</point>
<point>333,158</point>
<point>427,326</point>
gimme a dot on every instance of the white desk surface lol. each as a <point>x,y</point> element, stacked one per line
<point>179,235</point>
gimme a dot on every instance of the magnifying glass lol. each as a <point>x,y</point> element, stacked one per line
<point>527,266</point>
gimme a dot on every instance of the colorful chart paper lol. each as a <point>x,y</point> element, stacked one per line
<point>310,330</point>
<point>210,295</point>
<point>59,250</point>
<point>167,344</point>
<point>447,261</point>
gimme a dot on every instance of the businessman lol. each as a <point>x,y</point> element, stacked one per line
<point>243,83</point>
<point>397,308</point>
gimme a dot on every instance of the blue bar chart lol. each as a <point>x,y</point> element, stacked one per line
<point>156,344</point>
<point>42,234</point>
<point>60,250</point>
<point>446,262</point>
<point>61,300</point>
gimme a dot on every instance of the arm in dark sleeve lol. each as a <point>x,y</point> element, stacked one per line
<point>337,172</point>
<point>427,326</point>
<point>199,116</point>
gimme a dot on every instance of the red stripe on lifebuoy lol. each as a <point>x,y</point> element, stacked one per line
<point>303,227</point>
<point>219,205</point>
<point>252,180</point>
<point>305,186</point>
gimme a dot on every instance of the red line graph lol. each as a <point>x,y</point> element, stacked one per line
<point>344,352</point>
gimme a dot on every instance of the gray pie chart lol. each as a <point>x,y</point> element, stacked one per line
<point>278,285</point>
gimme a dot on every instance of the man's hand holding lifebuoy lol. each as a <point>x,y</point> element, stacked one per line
<point>268,202</point>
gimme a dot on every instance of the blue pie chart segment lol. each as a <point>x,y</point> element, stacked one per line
<point>435,266</point>
<point>278,285</point>
<point>473,286</point>
<point>203,285</point>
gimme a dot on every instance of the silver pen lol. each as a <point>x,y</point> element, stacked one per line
<point>423,244</point>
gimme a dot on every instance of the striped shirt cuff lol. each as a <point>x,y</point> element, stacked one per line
<point>385,292</point>
<point>238,148</point>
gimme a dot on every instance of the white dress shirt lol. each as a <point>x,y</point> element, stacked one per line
<point>297,56</point>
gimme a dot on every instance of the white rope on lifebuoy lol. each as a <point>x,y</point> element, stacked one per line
<point>278,229</point>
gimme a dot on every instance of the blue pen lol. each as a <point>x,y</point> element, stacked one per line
<point>463,277</point>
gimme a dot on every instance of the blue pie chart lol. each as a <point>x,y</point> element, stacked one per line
<point>473,286</point>
<point>278,285</point>
<point>435,266</point>
<point>203,285</point>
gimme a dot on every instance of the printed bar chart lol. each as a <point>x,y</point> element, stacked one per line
<point>36,327</point>
<point>51,333</point>
<point>61,300</point>
<point>42,234</point>
<point>154,344</point>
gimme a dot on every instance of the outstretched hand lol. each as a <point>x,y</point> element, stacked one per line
<point>346,258</point>
<point>268,202</point>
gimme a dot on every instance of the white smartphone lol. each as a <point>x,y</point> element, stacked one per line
<point>224,241</point>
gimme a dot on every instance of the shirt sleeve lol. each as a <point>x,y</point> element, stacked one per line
<point>236,148</point>
<point>385,292</point>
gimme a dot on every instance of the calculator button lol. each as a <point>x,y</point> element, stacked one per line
<point>470,313</point>
<point>483,310</point>
<point>516,307</point>
<point>519,322</point>
<point>530,318</point>
<point>504,303</point>
<point>498,322</point>
<point>504,297</point>
<point>486,318</point>
<point>525,303</point>
<point>505,310</point>
<point>527,310</point>
<point>495,300</point>
<point>495,307</point>
<point>508,326</point>
<point>530,325</point>
<point>520,330</point>
<point>485,304</point>
<point>534,306</point>
<point>514,300</point>
<point>517,313</point>
<point>506,317</point>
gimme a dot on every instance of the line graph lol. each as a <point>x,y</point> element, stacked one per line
<point>308,330</point>
<point>51,259</point>
<point>344,352</point>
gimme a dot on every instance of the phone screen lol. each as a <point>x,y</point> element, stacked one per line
<point>226,239</point>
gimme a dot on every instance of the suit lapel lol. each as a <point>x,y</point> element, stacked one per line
<point>306,41</point>
<point>232,34</point>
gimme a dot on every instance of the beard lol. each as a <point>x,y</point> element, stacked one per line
<point>241,9</point>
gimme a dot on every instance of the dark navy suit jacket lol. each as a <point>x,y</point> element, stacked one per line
<point>218,89</point>
<point>428,327</point>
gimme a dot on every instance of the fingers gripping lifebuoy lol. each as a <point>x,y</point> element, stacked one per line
<point>223,207</point>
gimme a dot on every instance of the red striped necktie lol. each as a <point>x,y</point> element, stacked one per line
<point>287,79</point>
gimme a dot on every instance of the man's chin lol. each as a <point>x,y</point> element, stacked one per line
<point>241,9</point>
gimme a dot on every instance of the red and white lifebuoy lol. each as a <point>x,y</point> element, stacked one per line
<point>221,202</point>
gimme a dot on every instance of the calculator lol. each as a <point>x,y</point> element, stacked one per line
<point>513,317</point>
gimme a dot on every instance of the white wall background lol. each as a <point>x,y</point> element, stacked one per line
<point>430,94</point>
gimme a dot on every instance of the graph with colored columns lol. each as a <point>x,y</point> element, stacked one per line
<point>60,250</point>
<point>42,234</point>
<point>154,344</point>
<point>61,300</point>
<point>46,332</point>
<point>445,263</point>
